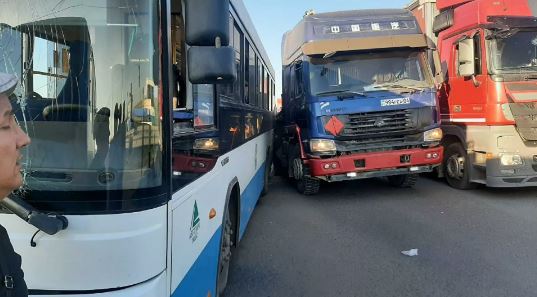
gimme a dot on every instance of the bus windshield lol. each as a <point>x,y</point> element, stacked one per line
<point>91,106</point>
<point>515,51</point>
<point>367,72</point>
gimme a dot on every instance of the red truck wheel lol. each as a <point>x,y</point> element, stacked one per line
<point>403,181</point>
<point>457,167</point>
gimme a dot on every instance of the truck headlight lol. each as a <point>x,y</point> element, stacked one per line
<point>322,146</point>
<point>433,135</point>
<point>511,160</point>
<point>206,144</point>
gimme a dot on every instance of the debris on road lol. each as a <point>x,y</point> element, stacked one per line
<point>410,253</point>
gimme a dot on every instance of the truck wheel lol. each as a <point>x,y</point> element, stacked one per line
<point>457,167</point>
<point>403,181</point>
<point>224,260</point>
<point>308,185</point>
<point>267,176</point>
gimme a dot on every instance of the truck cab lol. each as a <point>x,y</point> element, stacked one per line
<point>488,102</point>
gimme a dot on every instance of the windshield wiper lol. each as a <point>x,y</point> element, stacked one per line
<point>503,33</point>
<point>341,94</point>
<point>397,86</point>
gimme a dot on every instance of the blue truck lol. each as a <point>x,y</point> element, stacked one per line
<point>358,100</point>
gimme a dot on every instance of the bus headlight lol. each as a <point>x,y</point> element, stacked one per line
<point>206,144</point>
<point>511,160</point>
<point>433,135</point>
<point>322,146</point>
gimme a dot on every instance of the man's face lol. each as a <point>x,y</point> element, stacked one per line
<point>12,139</point>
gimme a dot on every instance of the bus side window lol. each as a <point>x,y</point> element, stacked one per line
<point>179,62</point>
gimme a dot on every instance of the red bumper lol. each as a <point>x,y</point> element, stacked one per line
<point>376,161</point>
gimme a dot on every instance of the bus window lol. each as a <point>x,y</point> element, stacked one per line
<point>50,68</point>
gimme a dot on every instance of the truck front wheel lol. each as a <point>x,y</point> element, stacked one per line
<point>403,181</point>
<point>308,185</point>
<point>457,167</point>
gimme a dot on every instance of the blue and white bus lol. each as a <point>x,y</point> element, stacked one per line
<point>151,129</point>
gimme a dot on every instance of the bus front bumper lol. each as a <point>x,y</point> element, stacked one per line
<point>377,164</point>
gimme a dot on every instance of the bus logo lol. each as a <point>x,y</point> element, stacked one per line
<point>195,223</point>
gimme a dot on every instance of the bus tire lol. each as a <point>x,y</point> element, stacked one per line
<point>224,258</point>
<point>457,167</point>
<point>403,181</point>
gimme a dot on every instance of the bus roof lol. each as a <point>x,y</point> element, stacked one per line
<point>347,24</point>
<point>241,11</point>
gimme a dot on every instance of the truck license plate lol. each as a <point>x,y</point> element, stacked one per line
<point>392,102</point>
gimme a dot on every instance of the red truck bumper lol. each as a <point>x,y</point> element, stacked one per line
<point>376,164</point>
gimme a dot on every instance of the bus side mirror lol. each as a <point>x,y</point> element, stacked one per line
<point>207,20</point>
<point>211,65</point>
<point>466,58</point>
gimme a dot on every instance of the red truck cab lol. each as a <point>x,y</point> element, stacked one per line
<point>488,102</point>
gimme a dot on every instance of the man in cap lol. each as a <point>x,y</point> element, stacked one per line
<point>12,140</point>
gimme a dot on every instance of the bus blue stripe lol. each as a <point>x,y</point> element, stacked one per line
<point>249,198</point>
<point>201,278</point>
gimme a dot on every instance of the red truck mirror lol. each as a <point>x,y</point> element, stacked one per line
<point>466,58</point>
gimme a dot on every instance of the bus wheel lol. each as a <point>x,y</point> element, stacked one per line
<point>403,181</point>
<point>457,167</point>
<point>225,253</point>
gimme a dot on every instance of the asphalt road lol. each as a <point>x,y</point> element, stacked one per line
<point>347,241</point>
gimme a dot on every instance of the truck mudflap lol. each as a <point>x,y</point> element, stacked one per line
<point>376,164</point>
<point>525,115</point>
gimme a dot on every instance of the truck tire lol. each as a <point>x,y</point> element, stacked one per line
<point>267,175</point>
<point>403,181</point>
<point>457,167</point>
<point>308,185</point>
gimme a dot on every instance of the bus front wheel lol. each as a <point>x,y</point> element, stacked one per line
<point>226,245</point>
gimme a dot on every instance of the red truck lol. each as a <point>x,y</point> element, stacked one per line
<point>488,101</point>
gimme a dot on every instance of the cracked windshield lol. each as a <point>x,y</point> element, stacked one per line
<point>238,148</point>
<point>90,106</point>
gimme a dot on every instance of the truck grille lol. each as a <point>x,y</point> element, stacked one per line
<point>525,115</point>
<point>374,123</point>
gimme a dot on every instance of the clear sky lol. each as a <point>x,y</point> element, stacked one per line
<point>272,18</point>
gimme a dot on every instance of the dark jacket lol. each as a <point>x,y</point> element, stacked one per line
<point>11,261</point>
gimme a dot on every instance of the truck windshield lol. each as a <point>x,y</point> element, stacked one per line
<point>516,51</point>
<point>90,106</point>
<point>364,72</point>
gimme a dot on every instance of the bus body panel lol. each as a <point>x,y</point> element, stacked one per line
<point>151,288</point>
<point>110,251</point>
<point>169,245</point>
<point>193,266</point>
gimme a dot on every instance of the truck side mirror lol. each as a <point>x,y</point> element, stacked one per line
<point>466,58</point>
<point>439,76</point>
<point>200,31</point>
<point>211,65</point>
